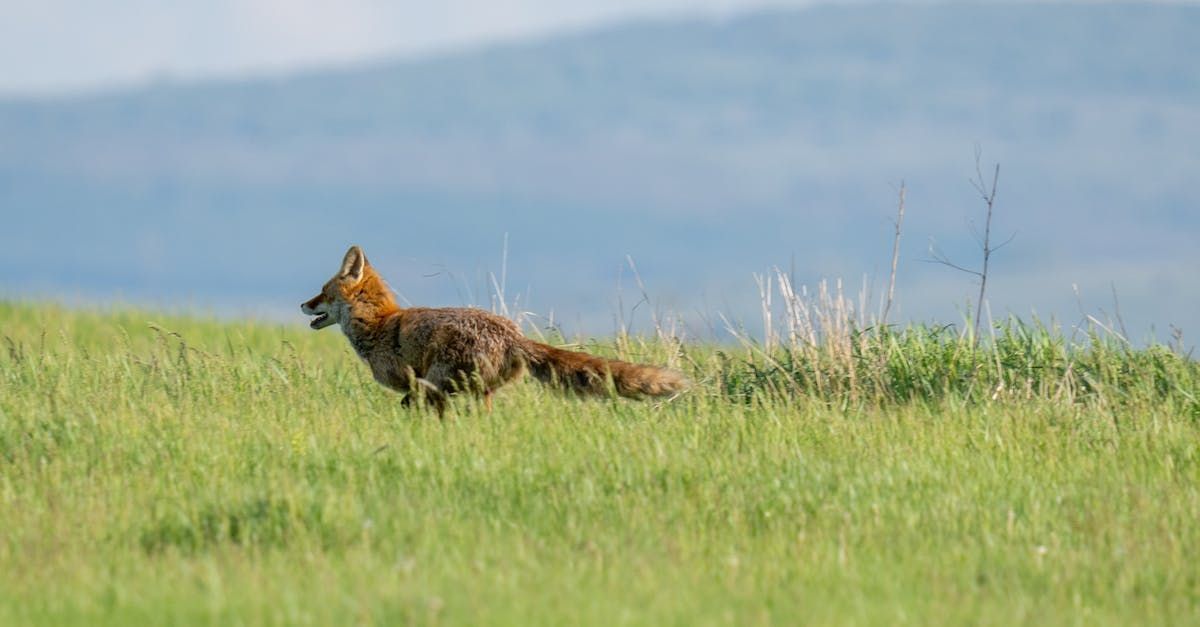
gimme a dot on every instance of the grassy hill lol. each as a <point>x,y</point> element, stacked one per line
<point>160,469</point>
<point>707,150</point>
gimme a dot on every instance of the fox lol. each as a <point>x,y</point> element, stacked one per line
<point>432,353</point>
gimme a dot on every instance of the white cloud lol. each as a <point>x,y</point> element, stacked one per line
<point>64,44</point>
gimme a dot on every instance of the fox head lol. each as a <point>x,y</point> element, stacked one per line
<point>332,305</point>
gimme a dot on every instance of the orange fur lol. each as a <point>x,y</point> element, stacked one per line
<point>446,350</point>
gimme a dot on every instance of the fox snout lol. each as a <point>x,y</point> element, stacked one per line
<point>317,306</point>
<point>309,306</point>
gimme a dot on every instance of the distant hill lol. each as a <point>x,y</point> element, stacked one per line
<point>707,150</point>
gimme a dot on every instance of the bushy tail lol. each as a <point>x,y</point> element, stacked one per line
<point>588,374</point>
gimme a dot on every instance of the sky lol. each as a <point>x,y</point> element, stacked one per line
<point>63,47</point>
<point>57,46</point>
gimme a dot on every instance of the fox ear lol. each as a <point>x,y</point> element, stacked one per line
<point>353,264</point>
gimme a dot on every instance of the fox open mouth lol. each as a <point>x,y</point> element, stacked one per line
<point>319,321</point>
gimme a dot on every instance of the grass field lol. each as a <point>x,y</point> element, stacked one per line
<point>236,473</point>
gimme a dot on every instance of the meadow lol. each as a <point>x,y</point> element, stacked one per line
<point>159,469</point>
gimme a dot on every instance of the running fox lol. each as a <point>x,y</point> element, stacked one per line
<point>445,350</point>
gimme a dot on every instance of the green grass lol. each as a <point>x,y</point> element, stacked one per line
<point>240,473</point>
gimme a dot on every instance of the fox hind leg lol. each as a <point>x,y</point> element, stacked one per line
<point>442,380</point>
<point>427,391</point>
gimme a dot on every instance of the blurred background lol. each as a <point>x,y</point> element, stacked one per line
<point>221,156</point>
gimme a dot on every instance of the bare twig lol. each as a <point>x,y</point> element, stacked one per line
<point>498,287</point>
<point>938,257</point>
<point>895,258</point>
<point>764,296</point>
<point>1117,310</point>
<point>988,194</point>
<point>655,318</point>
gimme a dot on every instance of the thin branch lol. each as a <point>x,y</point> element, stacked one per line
<point>654,314</point>
<point>936,256</point>
<point>990,198</point>
<point>1005,242</point>
<point>1117,309</point>
<point>975,234</point>
<point>988,195</point>
<point>895,257</point>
